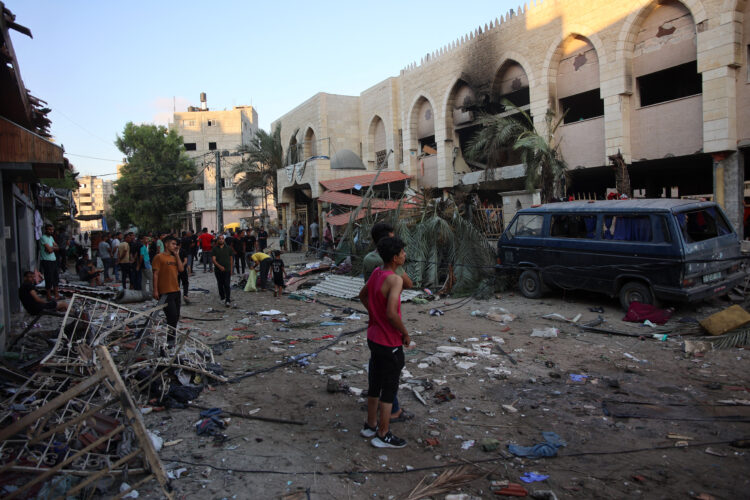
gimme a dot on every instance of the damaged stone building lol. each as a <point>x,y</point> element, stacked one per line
<point>664,83</point>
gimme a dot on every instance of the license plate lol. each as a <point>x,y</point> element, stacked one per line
<point>711,277</point>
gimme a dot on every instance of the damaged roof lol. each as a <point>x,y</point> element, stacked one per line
<point>352,200</point>
<point>345,183</point>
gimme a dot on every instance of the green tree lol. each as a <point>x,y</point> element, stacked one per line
<point>540,152</point>
<point>155,179</point>
<point>263,157</point>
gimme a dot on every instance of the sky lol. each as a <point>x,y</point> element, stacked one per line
<point>100,65</point>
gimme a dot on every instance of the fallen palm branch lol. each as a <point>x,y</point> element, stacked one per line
<point>449,480</point>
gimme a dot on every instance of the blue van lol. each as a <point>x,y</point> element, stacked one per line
<point>640,250</point>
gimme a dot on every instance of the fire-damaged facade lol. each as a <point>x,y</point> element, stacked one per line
<point>663,83</point>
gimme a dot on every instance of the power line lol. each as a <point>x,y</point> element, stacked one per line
<point>56,110</point>
<point>93,157</point>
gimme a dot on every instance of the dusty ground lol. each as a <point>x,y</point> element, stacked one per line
<point>605,457</point>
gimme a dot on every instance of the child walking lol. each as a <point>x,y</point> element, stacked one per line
<point>277,267</point>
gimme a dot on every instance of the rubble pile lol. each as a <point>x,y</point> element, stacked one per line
<point>80,414</point>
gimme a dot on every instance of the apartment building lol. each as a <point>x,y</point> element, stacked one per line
<point>92,200</point>
<point>664,83</point>
<point>208,134</point>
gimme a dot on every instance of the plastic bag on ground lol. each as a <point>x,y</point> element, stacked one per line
<point>251,281</point>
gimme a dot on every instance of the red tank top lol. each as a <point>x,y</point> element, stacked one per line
<point>379,329</point>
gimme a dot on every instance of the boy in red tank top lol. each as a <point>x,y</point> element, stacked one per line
<point>386,336</point>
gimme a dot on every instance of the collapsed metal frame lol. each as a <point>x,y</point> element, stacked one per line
<point>49,440</point>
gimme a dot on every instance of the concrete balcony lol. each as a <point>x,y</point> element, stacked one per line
<point>582,143</point>
<point>673,128</point>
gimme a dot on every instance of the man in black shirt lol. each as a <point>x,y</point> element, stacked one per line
<point>31,300</point>
<point>186,246</point>
<point>262,239</point>
<point>249,244</point>
<point>239,251</point>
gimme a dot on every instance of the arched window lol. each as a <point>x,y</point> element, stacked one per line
<point>578,80</point>
<point>511,83</point>
<point>311,146</point>
<point>377,143</point>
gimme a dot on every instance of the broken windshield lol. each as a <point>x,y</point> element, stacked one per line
<point>703,224</point>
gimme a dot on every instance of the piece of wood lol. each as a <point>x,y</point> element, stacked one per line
<point>68,423</point>
<point>418,396</point>
<point>136,419</point>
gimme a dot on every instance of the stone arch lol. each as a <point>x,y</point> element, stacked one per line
<point>411,124</point>
<point>310,142</point>
<point>519,58</point>
<point>629,30</point>
<point>460,89</point>
<point>555,52</point>
<point>511,82</point>
<point>377,141</point>
<point>423,139</point>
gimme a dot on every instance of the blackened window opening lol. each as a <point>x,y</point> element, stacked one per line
<point>670,84</point>
<point>212,146</point>
<point>189,146</point>
<point>519,97</point>
<point>582,106</point>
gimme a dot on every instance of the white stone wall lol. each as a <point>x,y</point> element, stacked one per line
<point>535,36</point>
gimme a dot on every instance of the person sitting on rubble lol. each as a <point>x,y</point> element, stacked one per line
<point>32,301</point>
<point>87,272</point>
<point>386,336</point>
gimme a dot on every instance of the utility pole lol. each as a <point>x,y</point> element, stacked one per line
<point>219,201</point>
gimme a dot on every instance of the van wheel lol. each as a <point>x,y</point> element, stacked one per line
<point>633,291</point>
<point>530,284</point>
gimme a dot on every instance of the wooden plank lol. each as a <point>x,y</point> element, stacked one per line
<point>136,418</point>
<point>74,421</point>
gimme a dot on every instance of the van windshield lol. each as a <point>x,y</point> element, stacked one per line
<point>703,224</point>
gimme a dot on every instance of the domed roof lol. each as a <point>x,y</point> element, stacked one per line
<point>347,159</point>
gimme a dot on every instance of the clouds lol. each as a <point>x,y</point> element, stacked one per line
<point>164,107</point>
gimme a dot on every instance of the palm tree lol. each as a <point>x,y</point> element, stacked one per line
<point>262,158</point>
<point>544,166</point>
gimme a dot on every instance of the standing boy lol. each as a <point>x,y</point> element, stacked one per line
<point>262,239</point>
<point>221,256</point>
<point>167,266</point>
<point>49,262</point>
<point>386,336</point>
<point>277,267</point>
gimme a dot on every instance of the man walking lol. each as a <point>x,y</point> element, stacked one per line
<point>221,255</point>
<point>105,253</point>
<point>115,246</point>
<point>123,260</point>
<point>314,235</point>
<point>204,241</point>
<point>386,336</point>
<point>239,252</point>
<point>167,266</point>
<point>48,262</point>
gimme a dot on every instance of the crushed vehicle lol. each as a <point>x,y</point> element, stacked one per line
<point>642,250</point>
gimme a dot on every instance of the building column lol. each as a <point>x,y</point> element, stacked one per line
<point>729,180</point>
<point>4,296</point>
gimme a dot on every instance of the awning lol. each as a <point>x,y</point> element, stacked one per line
<point>343,219</point>
<point>346,183</point>
<point>19,146</point>
<point>352,200</point>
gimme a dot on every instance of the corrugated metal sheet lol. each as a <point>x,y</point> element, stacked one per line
<point>348,287</point>
<point>363,180</point>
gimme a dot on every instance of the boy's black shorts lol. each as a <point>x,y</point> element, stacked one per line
<point>385,369</point>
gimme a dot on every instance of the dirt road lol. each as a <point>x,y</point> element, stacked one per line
<point>668,393</point>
